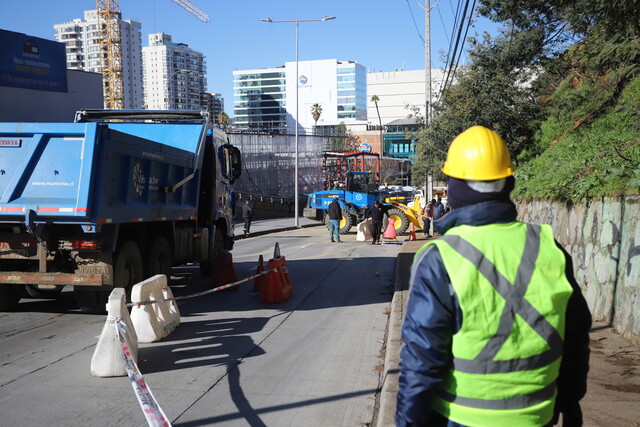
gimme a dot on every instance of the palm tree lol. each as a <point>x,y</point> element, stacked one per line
<point>375,100</point>
<point>316,112</point>
<point>223,119</point>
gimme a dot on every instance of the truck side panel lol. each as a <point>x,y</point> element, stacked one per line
<point>46,168</point>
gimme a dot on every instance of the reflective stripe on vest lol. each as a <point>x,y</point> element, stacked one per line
<point>474,382</point>
<point>515,304</point>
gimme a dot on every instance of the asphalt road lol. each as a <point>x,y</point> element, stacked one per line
<point>314,359</point>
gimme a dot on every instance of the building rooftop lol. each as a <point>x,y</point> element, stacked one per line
<point>404,122</point>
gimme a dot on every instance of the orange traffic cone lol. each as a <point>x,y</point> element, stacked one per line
<point>412,233</point>
<point>277,286</point>
<point>390,232</point>
<point>259,281</point>
<point>225,273</point>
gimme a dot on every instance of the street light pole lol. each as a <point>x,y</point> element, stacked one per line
<point>295,187</point>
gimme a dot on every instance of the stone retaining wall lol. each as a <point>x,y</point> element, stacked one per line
<point>604,242</point>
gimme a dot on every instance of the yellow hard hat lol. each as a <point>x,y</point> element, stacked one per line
<point>478,154</point>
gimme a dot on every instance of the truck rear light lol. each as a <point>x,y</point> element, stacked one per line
<point>84,245</point>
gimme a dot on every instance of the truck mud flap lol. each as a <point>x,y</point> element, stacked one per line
<point>59,279</point>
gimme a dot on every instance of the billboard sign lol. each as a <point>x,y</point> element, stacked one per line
<point>32,63</point>
<point>365,148</point>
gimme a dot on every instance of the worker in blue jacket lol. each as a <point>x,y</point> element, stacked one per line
<point>496,330</point>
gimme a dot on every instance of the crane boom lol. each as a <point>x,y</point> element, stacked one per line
<point>193,9</point>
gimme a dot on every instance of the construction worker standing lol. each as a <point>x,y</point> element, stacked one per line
<point>427,217</point>
<point>496,331</point>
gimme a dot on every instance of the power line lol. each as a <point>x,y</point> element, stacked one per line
<point>414,22</point>
<point>455,58</point>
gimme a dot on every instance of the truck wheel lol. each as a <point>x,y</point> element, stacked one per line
<point>207,266</point>
<point>9,297</point>
<point>345,222</point>
<point>159,260</point>
<point>91,302</point>
<point>127,271</point>
<point>400,221</point>
<point>35,292</point>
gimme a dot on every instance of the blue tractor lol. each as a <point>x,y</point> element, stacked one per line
<point>360,191</point>
<point>354,178</point>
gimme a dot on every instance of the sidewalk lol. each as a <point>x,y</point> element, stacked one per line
<point>613,389</point>
<point>272,225</point>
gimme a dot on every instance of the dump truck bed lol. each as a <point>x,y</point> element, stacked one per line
<point>99,172</point>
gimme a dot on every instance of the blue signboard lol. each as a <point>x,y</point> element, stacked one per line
<point>32,63</point>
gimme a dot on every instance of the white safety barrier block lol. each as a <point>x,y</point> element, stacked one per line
<point>155,313</point>
<point>107,360</point>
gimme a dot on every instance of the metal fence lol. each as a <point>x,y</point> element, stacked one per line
<point>269,164</point>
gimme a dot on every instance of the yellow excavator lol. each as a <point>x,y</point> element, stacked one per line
<point>403,214</point>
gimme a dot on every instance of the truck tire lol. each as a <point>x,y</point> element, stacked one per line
<point>9,297</point>
<point>35,292</point>
<point>207,266</point>
<point>127,268</point>
<point>159,260</point>
<point>400,221</point>
<point>127,271</point>
<point>91,302</point>
<point>345,222</point>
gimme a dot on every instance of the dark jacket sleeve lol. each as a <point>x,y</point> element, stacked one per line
<point>432,317</point>
<point>572,379</point>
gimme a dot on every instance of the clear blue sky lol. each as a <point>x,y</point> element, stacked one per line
<point>382,35</point>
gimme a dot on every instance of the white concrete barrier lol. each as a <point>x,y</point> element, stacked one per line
<point>154,314</point>
<point>108,360</point>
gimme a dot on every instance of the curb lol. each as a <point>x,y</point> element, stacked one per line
<point>389,388</point>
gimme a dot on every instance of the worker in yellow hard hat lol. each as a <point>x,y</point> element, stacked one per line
<point>496,330</point>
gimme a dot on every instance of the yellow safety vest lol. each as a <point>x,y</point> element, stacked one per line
<point>507,353</point>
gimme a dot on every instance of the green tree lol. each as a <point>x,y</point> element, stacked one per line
<point>223,119</point>
<point>493,91</point>
<point>343,140</point>
<point>375,99</point>
<point>316,112</point>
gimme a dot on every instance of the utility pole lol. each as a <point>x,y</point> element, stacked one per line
<point>427,62</point>
<point>427,81</point>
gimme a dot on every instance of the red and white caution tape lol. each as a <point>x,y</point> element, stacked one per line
<point>208,291</point>
<point>152,411</point>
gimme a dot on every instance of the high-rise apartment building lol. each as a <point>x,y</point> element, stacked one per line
<point>81,38</point>
<point>214,103</point>
<point>271,98</point>
<point>174,75</point>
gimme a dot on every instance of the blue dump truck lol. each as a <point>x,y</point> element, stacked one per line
<point>111,199</point>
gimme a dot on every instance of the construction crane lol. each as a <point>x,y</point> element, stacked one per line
<point>109,18</point>
<point>192,9</point>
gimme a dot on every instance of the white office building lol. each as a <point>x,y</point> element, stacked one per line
<point>174,75</point>
<point>82,41</point>
<point>398,90</point>
<point>267,99</point>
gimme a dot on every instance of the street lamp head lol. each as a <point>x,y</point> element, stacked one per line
<point>267,20</point>
<point>328,18</point>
